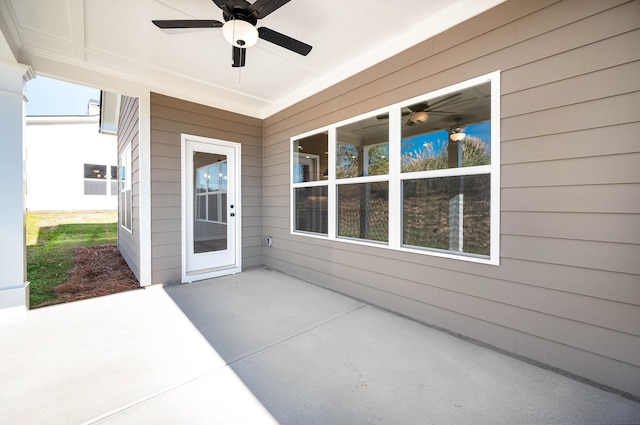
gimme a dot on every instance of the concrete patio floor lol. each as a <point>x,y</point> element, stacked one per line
<point>262,347</point>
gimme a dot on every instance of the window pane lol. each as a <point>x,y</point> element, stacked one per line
<point>123,177</point>
<point>95,187</point>
<point>114,187</point>
<point>129,208</point>
<point>201,207</point>
<point>429,126</point>
<point>311,209</point>
<point>114,172</point>
<point>363,211</point>
<point>363,148</point>
<point>310,158</point>
<point>93,171</point>
<point>125,209</point>
<point>448,213</point>
<point>214,207</point>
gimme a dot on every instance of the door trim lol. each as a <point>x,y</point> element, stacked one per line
<point>185,180</point>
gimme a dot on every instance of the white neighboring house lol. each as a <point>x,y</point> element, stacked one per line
<point>71,164</point>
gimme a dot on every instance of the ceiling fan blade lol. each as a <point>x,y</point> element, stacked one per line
<point>189,23</point>
<point>284,41</point>
<point>239,57</point>
<point>418,107</point>
<point>442,101</point>
<point>262,8</point>
<point>228,5</point>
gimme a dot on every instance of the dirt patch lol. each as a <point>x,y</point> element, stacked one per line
<point>97,271</point>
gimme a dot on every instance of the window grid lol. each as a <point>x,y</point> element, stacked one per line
<point>396,178</point>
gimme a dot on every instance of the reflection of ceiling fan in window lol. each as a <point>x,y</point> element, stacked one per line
<point>420,112</point>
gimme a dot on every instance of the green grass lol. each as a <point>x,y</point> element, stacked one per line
<point>50,247</point>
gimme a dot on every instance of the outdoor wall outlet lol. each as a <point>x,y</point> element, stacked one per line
<point>268,241</point>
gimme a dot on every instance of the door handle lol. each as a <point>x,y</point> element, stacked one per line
<point>233,214</point>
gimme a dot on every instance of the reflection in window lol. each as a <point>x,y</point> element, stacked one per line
<point>363,211</point>
<point>93,171</point>
<point>98,182</point>
<point>311,209</point>
<point>126,197</point>
<point>434,151</point>
<point>436,197</point>
<point>310,157</point>
<point>362,148</point>
<point>211,191</point>
<point>448,213</point>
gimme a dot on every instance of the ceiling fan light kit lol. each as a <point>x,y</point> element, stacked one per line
<point>458,135</point>
<point>240,33</point>
<point>240,29</point>
<point>457,132</point>
<point>419,117</point>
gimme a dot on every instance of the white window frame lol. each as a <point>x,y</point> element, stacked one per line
<point>125,186</point>
<point>396,177</point>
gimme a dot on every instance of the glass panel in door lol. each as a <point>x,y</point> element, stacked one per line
<point>210,178</point>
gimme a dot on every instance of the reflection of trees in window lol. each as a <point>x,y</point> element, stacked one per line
<point>474,153</point>
<point>311,209</point>
<point>378,160</point>
<point>346,161</point>
<point>427,210</point>
<point>441,188</point>
<point>363,211</point>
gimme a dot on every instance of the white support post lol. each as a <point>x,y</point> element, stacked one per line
<point>14,288</point>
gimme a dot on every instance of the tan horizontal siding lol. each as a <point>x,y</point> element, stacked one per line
<point>614,169</point>
<point>620,139</point>
<point>621,228</point>
<point>614,199</point>
<point>567,290</point>
<point>170,118</point>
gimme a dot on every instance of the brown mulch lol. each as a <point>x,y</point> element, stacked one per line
<point>97,271</point>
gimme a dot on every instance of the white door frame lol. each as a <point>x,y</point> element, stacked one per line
<point>216,270</point>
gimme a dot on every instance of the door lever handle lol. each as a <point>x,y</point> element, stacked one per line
<point>233,214</point>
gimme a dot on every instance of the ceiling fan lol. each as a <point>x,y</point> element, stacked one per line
<point>239,28</point>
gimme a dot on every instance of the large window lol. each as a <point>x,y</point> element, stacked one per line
<point>419,176</point>
<point>126,198</point>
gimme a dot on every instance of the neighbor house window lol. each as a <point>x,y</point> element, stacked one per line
<point>97,181</point>
<point>420,176</point>
<point>126,201</point>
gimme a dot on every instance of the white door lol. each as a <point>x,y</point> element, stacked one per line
<point>211,221</point>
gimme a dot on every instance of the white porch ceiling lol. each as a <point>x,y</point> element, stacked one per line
<point>117,38</point>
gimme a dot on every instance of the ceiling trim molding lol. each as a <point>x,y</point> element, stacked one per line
<point>9,28</point>
<point>186,88</point>
<point>76,17</point>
